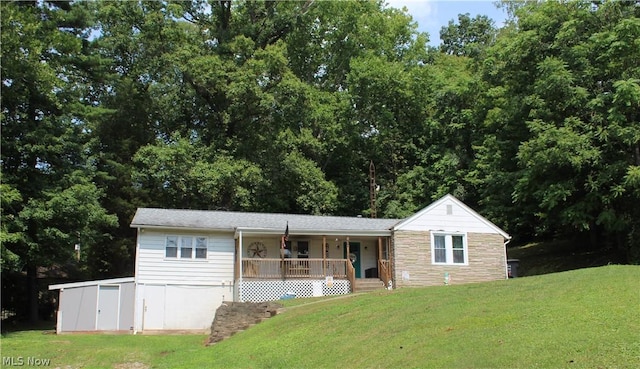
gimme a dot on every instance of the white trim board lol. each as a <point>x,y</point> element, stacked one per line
<point>91,283</point>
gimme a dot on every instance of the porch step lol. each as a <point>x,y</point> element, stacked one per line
<point>368,284</point>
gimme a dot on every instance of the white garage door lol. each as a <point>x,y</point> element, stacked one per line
<point>178,307</point>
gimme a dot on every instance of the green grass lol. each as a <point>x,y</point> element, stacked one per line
<point>587,318</point>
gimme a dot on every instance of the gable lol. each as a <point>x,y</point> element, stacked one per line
<point>451,215</point>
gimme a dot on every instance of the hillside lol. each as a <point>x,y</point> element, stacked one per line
<point>588,318</point>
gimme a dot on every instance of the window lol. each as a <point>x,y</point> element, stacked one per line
<point>439,249</point>
<point>171,250</point>
<point>186,247</point>
<point>448,249</point>
<point>303,249</point>
<point>201,248</point>
<point>458,249</point>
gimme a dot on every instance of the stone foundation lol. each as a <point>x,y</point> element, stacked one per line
<point>233,317</point>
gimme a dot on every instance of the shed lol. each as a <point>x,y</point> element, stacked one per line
<point>102,305</point>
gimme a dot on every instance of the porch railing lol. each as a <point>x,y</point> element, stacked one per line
<point>293,268</point>
<point>384,269</point>
<point>351,275</point>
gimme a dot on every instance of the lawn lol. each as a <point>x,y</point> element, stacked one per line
<point>588,318</point>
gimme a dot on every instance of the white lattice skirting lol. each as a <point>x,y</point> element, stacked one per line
<point>260,291</point>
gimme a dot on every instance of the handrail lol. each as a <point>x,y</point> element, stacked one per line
<point>256,268</point>
<point>384,271</point>
<point>351,275</point>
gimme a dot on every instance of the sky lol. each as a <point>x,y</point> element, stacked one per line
<point>432,15</point>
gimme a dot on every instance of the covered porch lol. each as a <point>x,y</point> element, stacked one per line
<point>324,264</point>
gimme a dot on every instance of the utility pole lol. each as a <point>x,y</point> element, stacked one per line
<point>77,247</point>
<point>373,188</point>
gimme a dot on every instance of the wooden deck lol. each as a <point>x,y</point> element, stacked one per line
<point>293,268</point>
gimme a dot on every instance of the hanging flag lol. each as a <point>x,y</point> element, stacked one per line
<point>286,233</point>
<point>285,237</point>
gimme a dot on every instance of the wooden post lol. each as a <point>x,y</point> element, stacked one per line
<point>390,258</point>
<point>324,255</point>
<point>348,251</point>
<point>350,267</point>
<point>379,248</point>
<point>283,265</point>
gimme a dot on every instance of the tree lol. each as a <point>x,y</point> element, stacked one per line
<point>563,126</point>
<point>238,79</point>
<point>469,37</point>
<point>51,202</point>
<point>184,174</point>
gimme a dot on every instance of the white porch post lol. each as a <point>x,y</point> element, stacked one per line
<point>240,266</point>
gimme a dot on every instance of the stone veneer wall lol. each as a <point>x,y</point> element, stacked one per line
<point>413,257</point>
<point>232,317</point>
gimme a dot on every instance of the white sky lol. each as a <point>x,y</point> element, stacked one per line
<point>431,15</point>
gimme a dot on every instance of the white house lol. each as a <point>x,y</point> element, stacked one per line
<point>189,261</point>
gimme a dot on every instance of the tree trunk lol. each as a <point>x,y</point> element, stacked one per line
<point>32,276</point>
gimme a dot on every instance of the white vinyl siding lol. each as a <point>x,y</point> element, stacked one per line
<point>449,249</point>
<point>449,215</point>
<point>212,265</point>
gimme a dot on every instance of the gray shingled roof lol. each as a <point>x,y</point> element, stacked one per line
<point>230,221</point>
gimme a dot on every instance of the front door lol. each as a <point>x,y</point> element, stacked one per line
<point>354,255</point>
<point>108,301</point>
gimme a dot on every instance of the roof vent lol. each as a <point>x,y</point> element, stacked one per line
<point>449,209</point>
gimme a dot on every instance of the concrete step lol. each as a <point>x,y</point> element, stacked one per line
<point>368,284</point>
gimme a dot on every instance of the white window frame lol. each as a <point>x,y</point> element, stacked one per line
<point>448,242</point>
<point>197,243</point>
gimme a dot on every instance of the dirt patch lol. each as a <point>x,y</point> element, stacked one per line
<point>134,365</point>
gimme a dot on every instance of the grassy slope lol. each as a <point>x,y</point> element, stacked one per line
<point>587,318</point>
